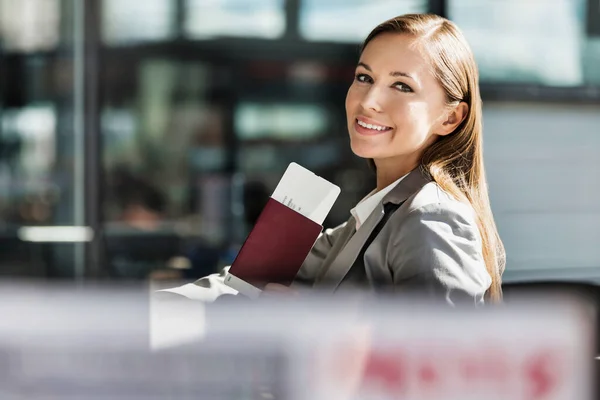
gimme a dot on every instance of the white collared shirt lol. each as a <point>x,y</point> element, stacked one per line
<point>366,206</point>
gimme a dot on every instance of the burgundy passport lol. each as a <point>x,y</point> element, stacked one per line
<point>276,247</point>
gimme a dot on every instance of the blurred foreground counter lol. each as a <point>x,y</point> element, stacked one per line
<point>115,343</point>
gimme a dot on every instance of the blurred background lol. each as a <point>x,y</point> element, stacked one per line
<point>140,139</point>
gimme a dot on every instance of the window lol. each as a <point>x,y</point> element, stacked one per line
<point>535,41</point>
<point>238,18</point>
<point>29,133</point>
<point>350,20</point>
<point>593,20</point>
<point>280,121</point>
<point>137,21</point>
<point>29,25</point>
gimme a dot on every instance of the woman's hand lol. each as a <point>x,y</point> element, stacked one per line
<point>278,289</point>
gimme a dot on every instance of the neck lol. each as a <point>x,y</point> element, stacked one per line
<point>389,171</point>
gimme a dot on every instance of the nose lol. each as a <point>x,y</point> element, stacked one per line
<point>372,99</point>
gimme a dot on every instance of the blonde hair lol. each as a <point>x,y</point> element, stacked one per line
<point>455,161</point>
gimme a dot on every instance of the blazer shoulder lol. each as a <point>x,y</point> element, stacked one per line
<point>432,198</point>
<point>435,247</point>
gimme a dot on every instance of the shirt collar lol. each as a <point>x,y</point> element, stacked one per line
<point>365,207</point>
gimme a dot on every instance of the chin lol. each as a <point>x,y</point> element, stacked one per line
<point>363,150</point>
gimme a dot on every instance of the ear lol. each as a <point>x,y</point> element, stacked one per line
<point>454,118</point>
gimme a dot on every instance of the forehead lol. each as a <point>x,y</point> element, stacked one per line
<point>395,52</point>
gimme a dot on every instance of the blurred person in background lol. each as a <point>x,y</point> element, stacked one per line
<point>414,111</point>
<point>142,205</point>
<point>148,244</point>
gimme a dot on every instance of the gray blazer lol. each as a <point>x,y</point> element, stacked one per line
<point>430,247</point>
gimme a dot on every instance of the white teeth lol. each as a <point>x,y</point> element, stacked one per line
<point>371,126</point>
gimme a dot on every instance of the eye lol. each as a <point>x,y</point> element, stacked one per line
<point>403,87</point>
<point>363,78</point>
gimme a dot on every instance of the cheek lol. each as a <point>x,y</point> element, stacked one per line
<point>417,116</point>
<point>352,99</point>
<point>399,113</point>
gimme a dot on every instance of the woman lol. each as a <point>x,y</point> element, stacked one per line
<point>414,111</point>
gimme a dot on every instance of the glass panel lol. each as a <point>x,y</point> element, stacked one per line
<point>280,121</point>
<point>350,20</point>
<point>29,25</point>
<point>41,141</point>
<point>591,61</point>
<point>593,18</point>
<point>29,144</point>
<point>243,18</point>
<point>532,41</point>
<point>167,204</point>
<point>137,21</point>
<point>271,134</point>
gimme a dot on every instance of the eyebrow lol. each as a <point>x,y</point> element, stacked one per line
<point>393,73</point>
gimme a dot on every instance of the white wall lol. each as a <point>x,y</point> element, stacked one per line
<point>543,166</point>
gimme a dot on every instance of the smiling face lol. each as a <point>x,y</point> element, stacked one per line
<point>395,107</point>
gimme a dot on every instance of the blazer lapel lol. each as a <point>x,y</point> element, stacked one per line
<point>338,246</point>
<point>343,261</point>
<point>346,257</point>
<point>411,184</point>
